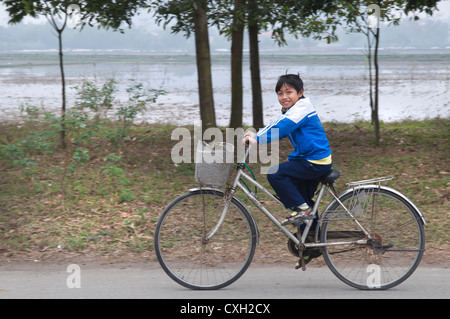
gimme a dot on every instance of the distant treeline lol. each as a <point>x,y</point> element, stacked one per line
<point>431,33</point>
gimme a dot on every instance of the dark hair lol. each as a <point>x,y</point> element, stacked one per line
<point>290,79</point>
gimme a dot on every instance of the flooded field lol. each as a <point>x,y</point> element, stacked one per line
<point>411,86</point>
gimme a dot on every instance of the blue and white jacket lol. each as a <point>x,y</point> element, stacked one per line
<point>304,129</point>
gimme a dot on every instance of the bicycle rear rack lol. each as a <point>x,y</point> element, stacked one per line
<point>377,180</point>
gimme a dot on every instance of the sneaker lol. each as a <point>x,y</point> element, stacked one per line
<point>310,255</point>
<point>298,214</point>
<point>299,262</point>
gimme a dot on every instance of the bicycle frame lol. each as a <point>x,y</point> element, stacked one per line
<point>237,184</point>
<point>308,223</point>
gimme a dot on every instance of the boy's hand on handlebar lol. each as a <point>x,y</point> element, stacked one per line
<point>249,138</point>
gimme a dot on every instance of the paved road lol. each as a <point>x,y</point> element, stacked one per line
<point>147,280</point>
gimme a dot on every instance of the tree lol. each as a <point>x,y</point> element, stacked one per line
<point>255,70</point>
<point>364,16</point>
<point>280,16</point>
<point>192,16</point>
<point>230,18</point>
<point>237,46</point>
<point>107,14</point>
<point>57,13</point>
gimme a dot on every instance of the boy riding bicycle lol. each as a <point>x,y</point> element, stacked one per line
<point>296,180</point>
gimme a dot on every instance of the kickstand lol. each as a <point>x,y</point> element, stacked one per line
<point>301,248</point>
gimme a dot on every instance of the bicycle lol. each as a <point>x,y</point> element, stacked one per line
<point>371,236</point>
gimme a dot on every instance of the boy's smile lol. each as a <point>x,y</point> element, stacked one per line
<point>288,96</point>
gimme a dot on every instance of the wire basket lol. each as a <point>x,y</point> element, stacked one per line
<point>213,163</point>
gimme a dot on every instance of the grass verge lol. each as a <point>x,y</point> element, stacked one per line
<point>102,197</point>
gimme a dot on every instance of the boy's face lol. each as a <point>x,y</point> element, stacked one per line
<point>288,96</point>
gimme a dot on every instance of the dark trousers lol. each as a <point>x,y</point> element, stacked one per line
<point>296,181</point>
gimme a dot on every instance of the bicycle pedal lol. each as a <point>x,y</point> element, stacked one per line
<point>301,263</point>
<point>298,221</point>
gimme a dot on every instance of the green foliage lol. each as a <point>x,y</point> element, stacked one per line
<point>81,155</point>
<point>23,152</point>
<point>95,99</point>
<point>138,97</point>
<point>299,17</point>
<point>101,12</point>
<point>97,117</point>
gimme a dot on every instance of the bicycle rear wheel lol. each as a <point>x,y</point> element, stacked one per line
<point>397,238</point>
<point>189,256</point>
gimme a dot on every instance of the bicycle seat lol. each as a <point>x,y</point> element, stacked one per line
<point>330,177</point>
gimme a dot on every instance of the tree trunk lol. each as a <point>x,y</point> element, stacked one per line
<point>369,58</point>
<point>376,120</point>
<point>63,83</point>
<point>203,55</point>
<point>258,118</point>
<point>237,42</point>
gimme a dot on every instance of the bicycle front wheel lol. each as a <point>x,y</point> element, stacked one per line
<point>202,247</point>
<point>391,251</point>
